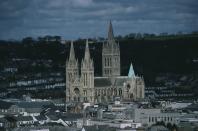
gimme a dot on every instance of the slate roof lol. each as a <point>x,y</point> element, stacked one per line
<point>71,116</point>
<point>41,117</point>
<point>53,117</point>
<point>106,82</point>
<point>50,126</point>
<point>99,128</point>
<point>102,82</point>
<point>5,105</point>
<point>10,119</point>
<point>24,118</point>
<point>33,107</point>
<point>120,81</point>
<point>193,107</point>
<point>3,120</point>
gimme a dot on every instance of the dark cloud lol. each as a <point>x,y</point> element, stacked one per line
<point>88,18</point>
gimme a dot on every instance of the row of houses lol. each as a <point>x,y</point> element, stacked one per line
<point>51,85</point>
<point>164,92</point>
<point>35,81</point>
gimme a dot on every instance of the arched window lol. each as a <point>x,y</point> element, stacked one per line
<point>85,92</point>
<point>108,62</point>
<point>131,95</point>
<point>105,92</point>
<point>115,91</point>
<point>76,91</point>
<point>78,98</point>
<point>96,92</point>
<point>75,99</point>
<point>128,87</point>
<point>120,92</point>
<point>109,92</point>
<point>85,99</point>
<point>112,91</point>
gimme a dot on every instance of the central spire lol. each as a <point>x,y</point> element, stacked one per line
<point>87,53</point>
<point>110,32</point>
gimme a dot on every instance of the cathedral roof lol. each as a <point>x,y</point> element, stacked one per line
<point>106,81</point>
<point>119,81</point>
<point>102,82</point>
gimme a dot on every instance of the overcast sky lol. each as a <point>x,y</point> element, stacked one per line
<point>74,19</point>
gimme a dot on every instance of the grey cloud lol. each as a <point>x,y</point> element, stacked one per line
<point>88,18</point>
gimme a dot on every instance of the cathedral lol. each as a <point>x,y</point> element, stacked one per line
<point>82,86</point>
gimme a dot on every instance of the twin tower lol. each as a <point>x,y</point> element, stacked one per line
<point>80,86</point>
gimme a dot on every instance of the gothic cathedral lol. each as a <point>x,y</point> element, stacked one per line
<point>83,86</point>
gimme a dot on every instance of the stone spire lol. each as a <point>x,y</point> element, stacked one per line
<point>72,53</point>
<point>110,32</point>
<point>87,53</point>
<point>110,55</point>
<point>87,76</point>
<point>72,74</point>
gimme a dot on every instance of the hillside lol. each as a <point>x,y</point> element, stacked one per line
<point>161,60</point>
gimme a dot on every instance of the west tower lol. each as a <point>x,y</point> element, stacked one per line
<point>87,76</point>
<point>72,75</point>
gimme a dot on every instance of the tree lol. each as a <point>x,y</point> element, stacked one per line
<point>27,40</point>
<point>57,38</point>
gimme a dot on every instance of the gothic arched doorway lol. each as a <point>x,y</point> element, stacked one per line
<point>77,94</point>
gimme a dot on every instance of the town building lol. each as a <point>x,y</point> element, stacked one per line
<point>150,116</point>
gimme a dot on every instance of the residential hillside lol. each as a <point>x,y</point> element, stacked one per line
<point>164,60</point>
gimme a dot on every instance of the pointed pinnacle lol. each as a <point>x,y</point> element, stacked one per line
<point>72,53</point>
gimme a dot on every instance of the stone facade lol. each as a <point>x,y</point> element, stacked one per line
<point>82,86</point>
<point>151,116</point>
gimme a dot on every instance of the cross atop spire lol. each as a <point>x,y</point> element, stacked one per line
<point>72,53</point>
<point>110,32</point>
<point>87,53</point>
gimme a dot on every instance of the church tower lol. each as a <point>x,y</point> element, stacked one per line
<point>87,76</point>
<point>110,56</point>
<point>72,74</point>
